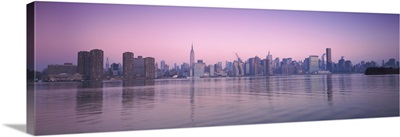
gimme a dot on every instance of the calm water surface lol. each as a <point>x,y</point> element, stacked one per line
<point>76,107</point>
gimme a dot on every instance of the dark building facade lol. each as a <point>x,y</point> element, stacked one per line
<point>149,68</point>
<point>268,67</point>
<point>127,64</point>
<point>84,64</point>
<point>329,65</point>
<point>341,67</point>
<point>138,67</point>
<point>96,64</point>
<point>115,70</point>
<point>348,66</point>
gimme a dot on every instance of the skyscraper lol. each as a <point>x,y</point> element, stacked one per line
<point>84,64</point>
<point>191,60</point>
<point>269,56</point>
<point>149,68</point>
<point>138,67</point>
<point>107,65</point>
<point>162,66</point>
<point>127,64</point>
<point>348,66</point>
<point>212,72</point>
<point>251,66</point>
<point>313,64</point>
<point>115,70</point>
<point>198,69</point>
<point>268,67</point>
<point>268,64</point>
<point>341,67</point>
<point>329,59</point>
<point>96,64</point>
<point>236,70</point>
<point>257,66</point>
<point>323,67</point>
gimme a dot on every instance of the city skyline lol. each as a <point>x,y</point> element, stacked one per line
<point>217,33</point>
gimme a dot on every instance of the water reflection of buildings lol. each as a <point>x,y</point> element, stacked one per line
<point>89,102</point>
<point>345,83</point>
<point>192,105</point>
<point>329,89</point>
<point>315,83</point>
<point>136,94</point>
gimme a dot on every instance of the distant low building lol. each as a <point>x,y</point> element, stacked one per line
<point>115,70</point>
<point>199,68</point>
<point>66,72</point>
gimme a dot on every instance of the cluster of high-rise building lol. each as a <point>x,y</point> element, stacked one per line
<point>257,66</point>
<point>131,68</point>
<point>90,64</point>
<point>90,67</point>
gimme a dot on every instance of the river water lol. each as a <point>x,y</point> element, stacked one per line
<point>76,107</point>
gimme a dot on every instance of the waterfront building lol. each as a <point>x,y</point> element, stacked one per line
<point>185,68</point>
<point>107,65</point>
<point>268,67</point>
<point>65,72</point>
<point>191,60</point>
<point>269,56</point>
<point>306,65</point>
<point>127,64</point>
<point>149,68</point>
<point>313,64</point>
<point>251,66</point>
<point>341,67</point>
<point>219,65</point>
<point>323,66</point>
<point>257,65</point>
<point>391,63</point>
<point>247,68</point>
<point>277,63</point>
<point>84,64</point>
<point>212,72</point>
<point>254,66</point>
<point>329,65</point>
<point>348,66</point>
<point>164,67</point>
<point>241,69</point>
<point>138,67</point>
<point>96,64</point>
<point>198,69</point>
<point>115,69</point>
<point>235,71</point>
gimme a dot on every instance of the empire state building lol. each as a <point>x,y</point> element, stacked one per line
<point>191,60</point>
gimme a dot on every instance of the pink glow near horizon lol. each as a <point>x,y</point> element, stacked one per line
<point>167,33</point>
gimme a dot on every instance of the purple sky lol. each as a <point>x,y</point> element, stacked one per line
<point>166,33</point>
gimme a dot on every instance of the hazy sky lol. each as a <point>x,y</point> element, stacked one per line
<point>166,33</point>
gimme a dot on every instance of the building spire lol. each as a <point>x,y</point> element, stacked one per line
<point>107,64</point>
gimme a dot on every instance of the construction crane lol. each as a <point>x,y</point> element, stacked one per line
<point>238,58</point>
